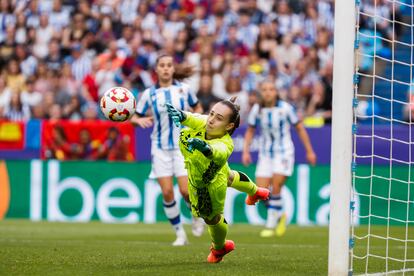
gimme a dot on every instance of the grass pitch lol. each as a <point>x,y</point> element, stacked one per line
<point>44,248</point>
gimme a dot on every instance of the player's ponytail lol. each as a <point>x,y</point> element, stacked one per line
<point>181,71</point>
<point>235,117</point>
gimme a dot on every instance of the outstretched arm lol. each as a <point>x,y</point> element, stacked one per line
<point>144,122</point>
<point>215,150</point>
<point>189,119</point>
<point>303,135</point>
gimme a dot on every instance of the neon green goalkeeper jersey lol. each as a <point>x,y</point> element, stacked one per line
<point>205,171</point>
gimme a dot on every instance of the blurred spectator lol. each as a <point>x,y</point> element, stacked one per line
<point>7,45</point>
<point>54,112</point>
<point>58,146</point>
<point>86,149</point>
<point>21,35</point>
<point>16,110</point>
<point>324,48</point>
<point>90,85</point>
<point>5,95</point>
<point>133,71</point>
<point>26,61</point>
<point>115,146</point>
<point>43,76</point>
<point>247,31</point>
<point>266,41</point>
<point>111,56</point>
<point>105,78</point>
<point>89,111</point>
<point>128,10</point>
<point>287,54</point>
<point>59,17</point>
<point>30,96</point>
<point>54,58</point>
<point>205,94</point>
<point>79,61</point>
<point>44,34</point>
<point>289,22</point>
<point>68,81</point>
<point>72,110</point>
<point>106,34</point>
<point>232,44</point>
<point>15,78</point>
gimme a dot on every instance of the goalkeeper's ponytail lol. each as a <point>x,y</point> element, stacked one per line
<point>235,117</point>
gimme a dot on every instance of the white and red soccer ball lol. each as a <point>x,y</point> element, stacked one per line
<point>118,104</point>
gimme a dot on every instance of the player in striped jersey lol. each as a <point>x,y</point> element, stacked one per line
<point>276,156</point>
<point>167,161</point>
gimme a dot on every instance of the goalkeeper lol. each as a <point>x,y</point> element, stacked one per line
<point>206,146</point>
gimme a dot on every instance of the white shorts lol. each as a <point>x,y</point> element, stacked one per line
<point>281,164</point>
<point>167,163</point>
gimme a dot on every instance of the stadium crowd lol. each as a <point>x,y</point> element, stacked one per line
<point>58,57</point>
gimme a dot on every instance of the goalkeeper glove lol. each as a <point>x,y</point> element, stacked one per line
<point>200,145</point>
<point>176,115</point>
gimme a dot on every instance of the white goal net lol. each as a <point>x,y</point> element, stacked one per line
<point>383,185</point>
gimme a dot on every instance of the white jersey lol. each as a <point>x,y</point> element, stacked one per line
<point>275,124</point>
<point>165,134</point>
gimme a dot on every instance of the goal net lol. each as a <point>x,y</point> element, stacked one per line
<point>383,104</point>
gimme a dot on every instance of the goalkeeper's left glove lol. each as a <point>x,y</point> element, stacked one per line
<point>200,145</point>
<point>176,115</point>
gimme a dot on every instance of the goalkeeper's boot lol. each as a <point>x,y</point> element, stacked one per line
<point>216,255</point>
<point>261,194</point>
<point>281,226</point>
<point>181,239</point>
<point>198,227</point>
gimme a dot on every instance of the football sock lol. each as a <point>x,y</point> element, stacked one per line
<point>242,183</point>
<point>274,210</point>
<point>218,233</point>
<point>173,214</point>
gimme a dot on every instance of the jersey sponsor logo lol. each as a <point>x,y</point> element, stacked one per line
<point>183,140</point>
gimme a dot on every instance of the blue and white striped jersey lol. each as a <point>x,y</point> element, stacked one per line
<point>165,134</point>
<point>274,123</point>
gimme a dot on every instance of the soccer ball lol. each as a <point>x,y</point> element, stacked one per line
<point>118,104</point>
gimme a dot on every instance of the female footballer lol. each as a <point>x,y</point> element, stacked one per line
<point>206,145</point>
<point>167,161</point>
<point>276,155</point>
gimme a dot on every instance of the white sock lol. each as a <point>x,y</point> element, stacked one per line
<point>274,210</point>
<point>173,214</point>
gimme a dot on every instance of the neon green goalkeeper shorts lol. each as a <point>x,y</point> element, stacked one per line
<point>207,202</point>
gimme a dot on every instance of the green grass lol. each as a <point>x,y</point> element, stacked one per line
<point>46,248</point>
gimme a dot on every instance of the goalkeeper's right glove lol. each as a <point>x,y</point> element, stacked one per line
<point>176,115</point>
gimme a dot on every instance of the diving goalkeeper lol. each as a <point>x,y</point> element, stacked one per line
<point>206,146</point>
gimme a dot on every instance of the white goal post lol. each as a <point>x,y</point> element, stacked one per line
<point>341,153</point>
<point>371,229</point>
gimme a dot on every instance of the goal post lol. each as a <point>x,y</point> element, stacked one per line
<point>341,153</point>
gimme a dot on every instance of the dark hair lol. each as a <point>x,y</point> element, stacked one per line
<point>235,117</point>
<point>182,71</point>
